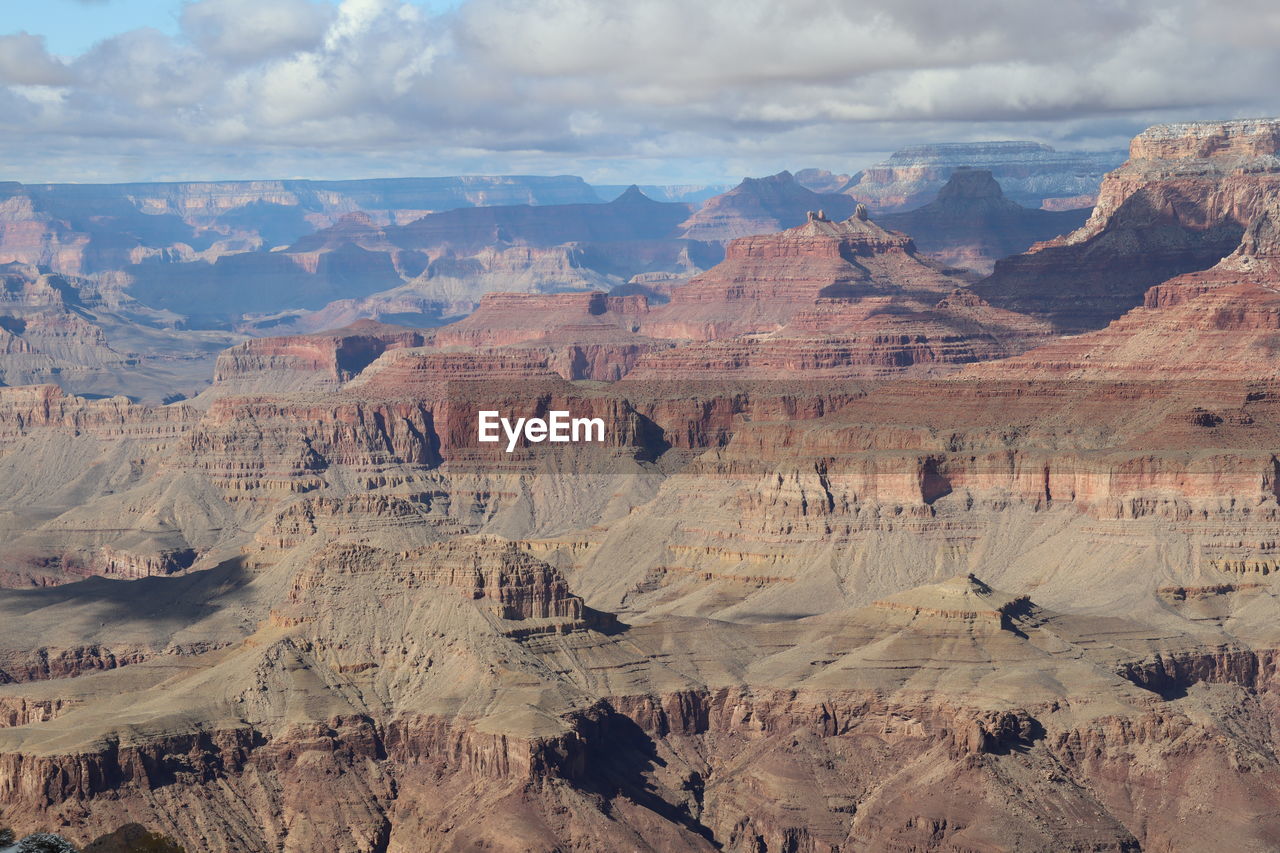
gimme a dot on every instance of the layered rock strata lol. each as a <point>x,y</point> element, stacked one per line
<point>308,362</point>
<point>81,336</point>
<point>79,229</point>
<point>1179,205</point>
<point>1029,604</point>
<point>824,299</point>
<point>944,717</point>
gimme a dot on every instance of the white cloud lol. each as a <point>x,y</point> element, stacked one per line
<point>657,88</point>
<point>252,29</point>
<point>25,62</point>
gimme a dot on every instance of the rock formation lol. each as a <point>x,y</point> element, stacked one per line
<point>972,225</point>
<point>761,206</point>
<point>84,228</point>
<point>1217,324</point>
<point>946,716</point>
<point>828,299</point>
<point>77,334</point>
<point>583,335</point>
<point>822,181</point>
<point>1031,173</point>
<point>764,280</point>
<point>684,193</point>
<point>315,362</point>
<point>303,256</point>
<point>438,265</point>
<point>1180,204</point>
<point>631,216</point>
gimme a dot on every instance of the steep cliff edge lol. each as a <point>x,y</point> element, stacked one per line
<point>1218,324</point>
<point>887,598</point>
<point>380,700</point>
<point>317,362</point>
<point>766,279</point>
<point>1180,204</point>
<point>583,335</point>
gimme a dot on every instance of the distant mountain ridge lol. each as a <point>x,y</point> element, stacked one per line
<point>686,193</point>
<point>80,229</point>
<point>1029,172</point>
<point>435,266</point>
<point>973,224</point>
<point>762,206</point>
<point>193,199</point>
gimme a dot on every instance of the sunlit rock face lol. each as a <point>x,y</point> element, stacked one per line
<point>1179,205</point>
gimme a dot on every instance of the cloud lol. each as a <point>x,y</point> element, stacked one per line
<point>25,62</point>
<point>251,30</point>
<point>649,88</point>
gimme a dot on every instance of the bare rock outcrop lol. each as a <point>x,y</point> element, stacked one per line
<point>1210,325</point>
<point>886,598</point>
<point>307,362</point>
<point>828,298</point>
<point>1179,205</point>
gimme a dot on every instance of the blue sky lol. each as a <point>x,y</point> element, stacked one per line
<point>617,91</point>
<point>70,27</point>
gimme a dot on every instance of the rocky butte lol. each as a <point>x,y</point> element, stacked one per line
<point>972,225</point>
<point>1018,596</point>
<point>761,206</point>
<point>828,298</point>
<point>821,181</point>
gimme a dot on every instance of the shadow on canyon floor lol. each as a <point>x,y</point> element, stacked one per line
<point>179,599</point>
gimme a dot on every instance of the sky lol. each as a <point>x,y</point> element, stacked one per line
<point>618,91</point>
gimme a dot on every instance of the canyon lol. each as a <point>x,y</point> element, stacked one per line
<point>78,229</point>
<point>173,272</point>
<point>874,554</point>
<point>441,260</point>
